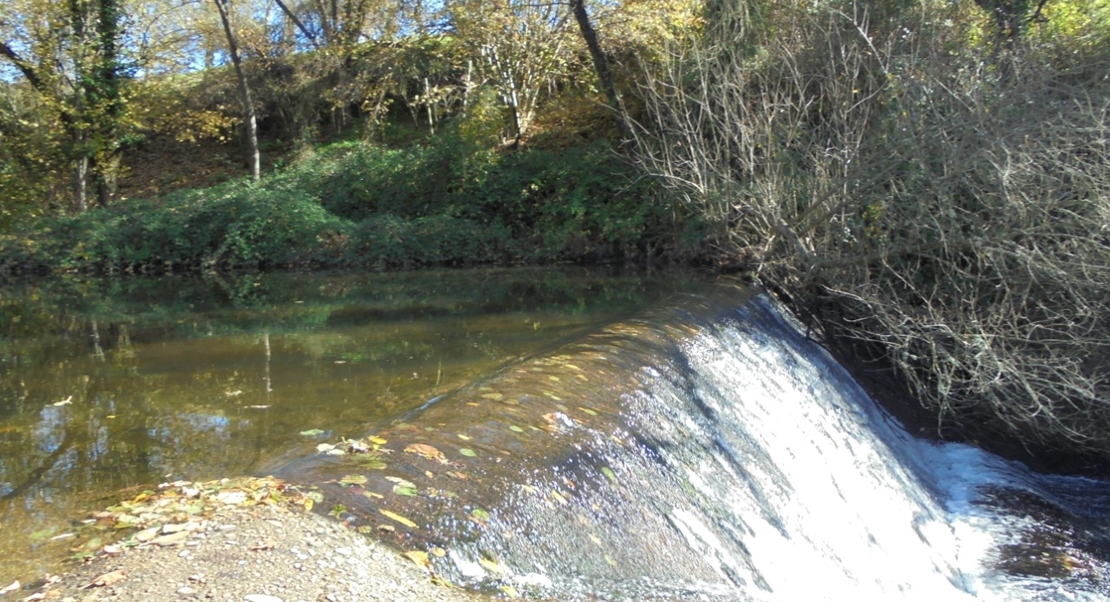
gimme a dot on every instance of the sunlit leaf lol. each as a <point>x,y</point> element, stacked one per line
<point>405,491</point>
<point>609,474</point>
<point>315,496</point>
<point>312,432</point>
<point>588,411</point>
<point>493,396</point>
<point>400,481</point>
<point>373,496</point>
<point>509,591</point>
<point>398,518</point>
<point>480,514</point>
<point>353,479</point>
<point>516,429</point>
<point>438,552</point>
<point>426,451</point>
<point>468,452</point>
<point>418,558</point>
<point>492,566</point>
<point>376,440</point>
<point>464,437</point>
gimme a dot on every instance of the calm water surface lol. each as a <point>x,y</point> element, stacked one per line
<point>115,384</point>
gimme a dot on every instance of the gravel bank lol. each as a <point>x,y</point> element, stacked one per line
<point>263,553</point>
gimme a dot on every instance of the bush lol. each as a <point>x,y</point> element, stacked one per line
<point>940,198</point>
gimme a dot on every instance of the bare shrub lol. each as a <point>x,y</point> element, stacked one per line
<point>938,199</point>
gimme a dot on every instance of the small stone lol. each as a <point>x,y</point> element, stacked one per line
<point>343,551</point>
<point>186,591</point>
<point>261,598</point>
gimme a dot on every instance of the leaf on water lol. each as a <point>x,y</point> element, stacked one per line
<point>353,479</point>
<point>43,534</point>
<point>315,496</point>
<point>418,558</point>
<point>588,411</point>
<point>308,503</point>
<point>609,474</point>
<point>400,481</point>
<point>337,510</point>
<point>372,463</point>
<point>493,396</point>
<point>529,488</point>
<point>438,552</point>
<point>398,518</point>
<point>469,453</point>
<point>325,447</point>
<point>312,432</point>
<point>492,566</point>
<point>376,440</point>
<point>595,539</point>
<point>480,514</point>
<point>509,591</point>
<point>553,377</point>
<point>373,496</point>
<point>464,437</point>
<point>516,429</point>
<point>405,491</point>
<point>471,403</point>
<point>559,498</point>
<point>426,451</point>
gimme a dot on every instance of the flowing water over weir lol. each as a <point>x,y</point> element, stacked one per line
<point>708,451</point>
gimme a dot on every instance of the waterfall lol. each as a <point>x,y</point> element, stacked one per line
<point>708,450</point>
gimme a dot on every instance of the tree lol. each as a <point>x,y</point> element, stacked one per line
<point>250,120</point>
<point>601,64</point>
<point>70,55</point>
<point>519,47</point>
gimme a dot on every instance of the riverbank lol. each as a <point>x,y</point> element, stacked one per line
<point>248,552</point>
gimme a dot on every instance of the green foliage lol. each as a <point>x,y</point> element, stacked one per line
<point>359,204</point>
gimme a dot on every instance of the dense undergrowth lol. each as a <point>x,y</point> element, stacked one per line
<point>360,204</point>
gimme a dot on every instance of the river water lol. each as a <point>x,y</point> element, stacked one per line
<point>553,434</point>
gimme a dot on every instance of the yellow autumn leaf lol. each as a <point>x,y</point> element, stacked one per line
<point>397,517</point>
<point>418,558</point>
<point>492,566</point>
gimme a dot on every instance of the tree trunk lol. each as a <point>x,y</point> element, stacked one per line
<point>253,159</point>
<point>601,65</point>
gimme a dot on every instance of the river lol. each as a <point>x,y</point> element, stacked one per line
<point>561,434</point>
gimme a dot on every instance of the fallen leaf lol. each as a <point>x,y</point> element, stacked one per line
<point>397,517</point>
<point>609,474</point>
<point>438,552</point>
<point>312,432</point>
<point>464,437</point>
<point>492,566</point>
<point>353,479</point>
<point>106,579</point>
<point>493,396</point>
<point>418,558</point>
<point>426,451</point>
<point>516,429</point>
<point>376,440</point>
<point>468,452</point>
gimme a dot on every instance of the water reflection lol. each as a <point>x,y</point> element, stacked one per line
<point>111,384</point>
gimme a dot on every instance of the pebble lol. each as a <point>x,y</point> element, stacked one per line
<point>186,591</point>
<point>261,598</point>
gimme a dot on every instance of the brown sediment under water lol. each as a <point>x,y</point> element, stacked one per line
<point>109,387</point>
